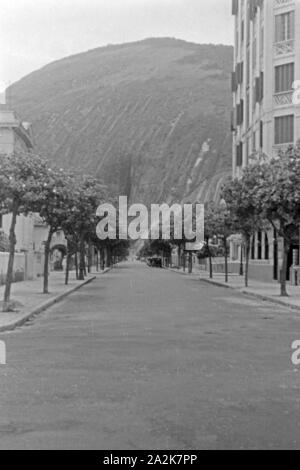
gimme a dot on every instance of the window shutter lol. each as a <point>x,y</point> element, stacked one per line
<point>235,7</point>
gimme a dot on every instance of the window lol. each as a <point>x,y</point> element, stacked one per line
<point>285,27</point>
<point>284,129</point>
<point>261,134</point>
<point>240,72</point>
<point>235,7</point>
<point>240,113</point>
<point>239,155</point>
<point>247,108</point>
<point>248,68</point>
<point>234,84</point>
<point>259,88</point>
<point>254,142</point>
<point>284,77</point>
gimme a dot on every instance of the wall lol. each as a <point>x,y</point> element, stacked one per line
<point>6,141</point>
<point>19,266</point>
<point>24,231</point>
<point>27,266</point>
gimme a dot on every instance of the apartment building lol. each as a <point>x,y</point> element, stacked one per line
<point>16,136</point>
<point>265,115</point>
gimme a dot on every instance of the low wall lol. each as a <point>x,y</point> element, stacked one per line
<point>19,267</point>
<point>259,271</point>
<point>27,266</point>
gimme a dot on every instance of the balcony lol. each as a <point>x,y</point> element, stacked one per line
<point>283,3</point>
<point>284,48</point>
<point>283,99</point>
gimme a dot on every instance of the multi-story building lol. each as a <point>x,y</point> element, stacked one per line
<point>265,116</point>
<point>31,232</point>
<point>16,136</point>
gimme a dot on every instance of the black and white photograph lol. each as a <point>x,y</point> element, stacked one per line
<point>149,228</point>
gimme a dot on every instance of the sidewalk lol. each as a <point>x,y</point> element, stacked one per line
<point>262,290</point>
<point>30,301</point>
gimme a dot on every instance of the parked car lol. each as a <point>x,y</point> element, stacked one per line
<point>155,262</point>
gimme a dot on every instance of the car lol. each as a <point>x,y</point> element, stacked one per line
<point>155,262</point>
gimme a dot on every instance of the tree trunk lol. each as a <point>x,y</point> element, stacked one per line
<point>210,260</point>
<point>241,262</point>
<point>46,262</point>
<point>102,259</point>
<point>247,262</point>
<point>97,261</point>
<point>84,260</point>
<point>67,264</point>
<point>90,256</point>
<point>190,263</point>
<point>179,256</point>
<point>286,249</point>
<point>76,262</point>
<point>10,266</point>
<point>226,260</point>
<point>108,256</point>
<point>81,260</point>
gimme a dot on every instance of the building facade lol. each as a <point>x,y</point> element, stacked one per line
<point>16,136</point>
<point>266,113</point>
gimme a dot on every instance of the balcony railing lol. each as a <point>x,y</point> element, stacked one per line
<point>283,99</point>
<point>284,48</point>
<point>282,3</point>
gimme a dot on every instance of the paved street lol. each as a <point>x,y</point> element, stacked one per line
<point>150,359</point>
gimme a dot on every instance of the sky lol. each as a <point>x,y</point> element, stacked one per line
<point>34,33</point>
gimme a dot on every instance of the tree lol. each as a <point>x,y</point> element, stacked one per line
<point>219,223</point>
<point>239,195</point>
<point>209,231</point>
<point>277,196</point>
<point>80,223</point>
<point>56,200</point>
<point>22,177</point>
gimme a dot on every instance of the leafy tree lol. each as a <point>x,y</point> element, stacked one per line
<point>56,200</point>
<point>219,223</point>
<point>209,232</point>
<point>22,177</point>
<point>80,223</point>
<point>277,195</point>
<point>240,197</point>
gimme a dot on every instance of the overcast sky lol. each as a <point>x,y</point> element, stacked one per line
<point>36,32</point>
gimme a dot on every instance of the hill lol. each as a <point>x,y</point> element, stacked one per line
<point>151,118</point>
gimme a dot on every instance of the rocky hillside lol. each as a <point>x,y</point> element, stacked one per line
<point>151,118</point>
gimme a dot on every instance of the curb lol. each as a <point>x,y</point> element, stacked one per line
<point>182,273</point>
<point>265,298</point>
<point>42,307</point>
<point>218,284</point>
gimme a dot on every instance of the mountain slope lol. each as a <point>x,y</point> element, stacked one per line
<point>150,118</point>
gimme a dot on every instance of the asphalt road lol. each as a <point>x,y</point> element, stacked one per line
<point>150,359</point>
